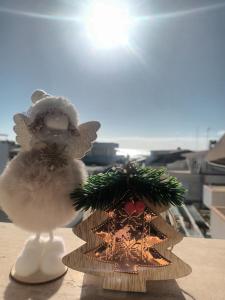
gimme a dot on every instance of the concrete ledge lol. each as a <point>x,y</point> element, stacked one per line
<point>206,282</point>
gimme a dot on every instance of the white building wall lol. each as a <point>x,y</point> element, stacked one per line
<point>192,182</point>
<point>213,195</point>
<point>214,179</point>
<point>217,221</point>
<point>4,154</point>
<point>214,198</point>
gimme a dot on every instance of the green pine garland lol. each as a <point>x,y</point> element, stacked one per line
<point>107,189</point>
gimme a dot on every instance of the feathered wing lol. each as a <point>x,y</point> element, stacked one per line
<point>87,135</point>
<point>23,135</point>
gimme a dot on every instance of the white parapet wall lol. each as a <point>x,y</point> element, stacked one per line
<point>217,221</point>
<point>214,195</point>
<point>4,154</point>
<point>192,182</point>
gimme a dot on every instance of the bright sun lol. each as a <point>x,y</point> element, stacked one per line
<point>107,23</point>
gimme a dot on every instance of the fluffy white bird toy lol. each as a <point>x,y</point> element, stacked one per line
<point>35,186</point>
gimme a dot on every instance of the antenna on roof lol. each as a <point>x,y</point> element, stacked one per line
<point>197,138</point>
<point>207,137</point>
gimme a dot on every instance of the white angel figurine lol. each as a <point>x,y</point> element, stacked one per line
<point>35,186</point>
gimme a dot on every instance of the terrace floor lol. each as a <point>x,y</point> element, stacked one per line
<point>206,282</point>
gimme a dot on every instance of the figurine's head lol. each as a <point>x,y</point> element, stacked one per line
<point>53,121</point>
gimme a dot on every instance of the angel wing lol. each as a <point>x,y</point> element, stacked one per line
<point>83,142</point>
<point>23,135</point>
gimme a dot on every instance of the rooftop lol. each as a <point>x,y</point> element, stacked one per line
<point>216,188</point>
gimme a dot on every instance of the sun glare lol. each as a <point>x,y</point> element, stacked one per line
<point>107,23</point>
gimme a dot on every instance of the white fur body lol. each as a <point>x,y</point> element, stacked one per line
<point>35,186</point>
<point>37,198</point>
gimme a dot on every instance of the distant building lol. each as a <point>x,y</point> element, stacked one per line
<point>216,155</point>
<point>101,154</point>
<point>160,158</point>
<point>8,149</point>
<point>200,168</point>
<point>214,199</point>
<point>217,222</point>
<point>212,144</point>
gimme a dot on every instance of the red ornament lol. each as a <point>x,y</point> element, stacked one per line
<point>140,207</point>
<point>129,207</point>
<point>134,208</point>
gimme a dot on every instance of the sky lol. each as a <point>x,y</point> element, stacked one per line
<point>167,89</point>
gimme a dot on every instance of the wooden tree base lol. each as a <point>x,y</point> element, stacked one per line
<point>36,278</point>
<point>137,284</point>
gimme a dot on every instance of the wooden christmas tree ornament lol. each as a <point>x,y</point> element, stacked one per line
<point>127,240</point>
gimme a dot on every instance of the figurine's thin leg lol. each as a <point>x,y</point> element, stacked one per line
<point>29,259</point>
<point>51,236</point>
<point>51,260</point>
<point>37,237</point>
